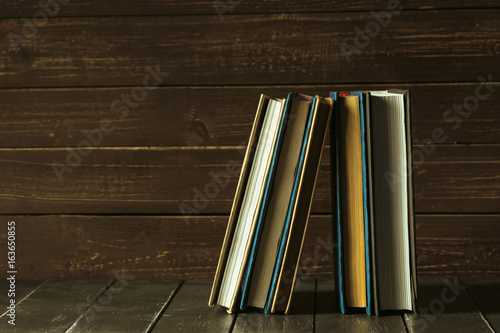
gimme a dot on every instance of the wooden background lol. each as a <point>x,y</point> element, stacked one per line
<point>119,209</point>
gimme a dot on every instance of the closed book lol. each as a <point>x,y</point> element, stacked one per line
<point>350,194</point>
<point>275,202</point>
<point>228,280</point>
<point>392,200</point>
<point>387,206</point>
<point>292,238</point>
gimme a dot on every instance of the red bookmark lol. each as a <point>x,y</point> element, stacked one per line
<point>343,94</point>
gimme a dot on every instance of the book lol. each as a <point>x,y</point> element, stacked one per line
<point>287,264</point>
<point>243,217</point>
<point>350,197</point>
<point>280,191</point>
<point>381,130</point>
<point>271,205</point>
<point>351,177</point>
<point>392,192</point>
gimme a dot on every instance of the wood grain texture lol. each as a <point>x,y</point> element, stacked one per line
<point>141,246</point>
<point>23,288</point>
<point>452,179</point>
<point>458,244</point>
<point>55,306</point>
<point>329,319</point>
<point>189,311</point>
<point>449,179</point>
<point>171,145</point>
<point>115,51</point>
<point>176,7</point>
<point>445,305</point>
<point>485,291</point>
<point>128,306</point>
<point>300,319</point>
<point>199,116</point>
<point>170,247</point>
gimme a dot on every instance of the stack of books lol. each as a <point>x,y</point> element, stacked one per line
<point>372,191</point>
<point>374,224</point>
<point>265,233</point>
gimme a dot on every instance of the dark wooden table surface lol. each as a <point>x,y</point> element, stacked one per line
<point>124,304</point>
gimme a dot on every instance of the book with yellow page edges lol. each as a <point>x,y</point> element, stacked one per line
<point>372,192</point>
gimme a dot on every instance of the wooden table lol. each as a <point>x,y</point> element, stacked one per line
<point>125,304</point>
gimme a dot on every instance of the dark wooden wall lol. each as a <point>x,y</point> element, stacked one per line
<point>121,205</point>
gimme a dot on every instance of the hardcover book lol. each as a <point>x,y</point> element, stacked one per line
<point>267,224</point>
<point>372,190</point>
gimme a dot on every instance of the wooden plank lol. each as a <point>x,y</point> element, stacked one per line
<point>445,305</point>
<point>131,8</point>
<point>195,116</point>
<point>485,291</point>
<point>161,247</point>
<point>92,246</point>
<point>330,319</point>
<point>131,306</point>
<point>23,289</point>
<point>119,181</point>
<point>300,319</point>
<point>55,306</point>
<point>145,246</point>
<point>453,179</point>
<point>206,51</point>
<point>189,311</point>
<point>458,244</point>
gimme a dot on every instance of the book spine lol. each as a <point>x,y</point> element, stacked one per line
<point>337,204</point>
<point>365,203</point>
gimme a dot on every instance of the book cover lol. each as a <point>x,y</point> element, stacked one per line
<point>265,202</point>
<point>235,210</point>
<point>337,195</point>
<point>287,263</point>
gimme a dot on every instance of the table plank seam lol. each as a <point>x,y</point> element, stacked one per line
<point>477,306</point>
<point>158,316</point>
<point>461,304</point>
<point>233,323</point>
<point>404,323</point>
<point>315,302</point>
<point>92,302</point>
<point>28,295</point>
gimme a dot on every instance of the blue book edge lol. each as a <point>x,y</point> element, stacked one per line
<point>264,205</point>
<point>333,95</point>
<point>289,212</point>
<point>365,203</point>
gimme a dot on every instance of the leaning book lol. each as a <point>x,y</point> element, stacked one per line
<point>271,207</point>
